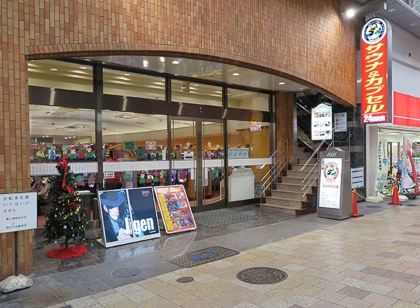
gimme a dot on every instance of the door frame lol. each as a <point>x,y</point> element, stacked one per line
<point>199,161</point>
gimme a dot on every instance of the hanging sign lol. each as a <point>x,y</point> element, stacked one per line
<point>374,45</point>
<point>340,122</point>
<point>321,128</point>
<point>330,184</point>
<point>18,212</point>
<point>175,208</point>
<point>127,216</point>
<point>357,178</point>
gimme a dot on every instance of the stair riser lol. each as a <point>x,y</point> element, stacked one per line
<point>292,195</point>
<point>304,160</point>
<point>301,174</point>
<point>273,206</point>
<point>307,168</point>
<point>287,187</point>
<point>286,203</point>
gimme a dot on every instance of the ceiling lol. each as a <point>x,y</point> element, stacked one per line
<point>207,70</point>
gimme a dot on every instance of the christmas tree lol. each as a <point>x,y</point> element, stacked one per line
<point>66,219</point>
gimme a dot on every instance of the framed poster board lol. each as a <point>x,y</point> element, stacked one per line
<point>321,122</point>
<point>127,216</point>
<point>175,208</point>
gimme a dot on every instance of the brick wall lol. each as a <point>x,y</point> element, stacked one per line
<point>304,40</point>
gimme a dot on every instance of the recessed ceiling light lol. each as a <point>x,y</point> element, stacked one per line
<point>126,74</point>
<point>350,13</point>
<point>145,63</point>
<point>83,67</point>
<point>53,69</point>
<point>162,59</point>
<point>235,74</point>
<point>281,83</point>
<point>175,62</point>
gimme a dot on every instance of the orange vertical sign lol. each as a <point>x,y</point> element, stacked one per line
<point>374,45</point>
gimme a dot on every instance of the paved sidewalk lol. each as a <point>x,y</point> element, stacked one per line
<point>372,261</point>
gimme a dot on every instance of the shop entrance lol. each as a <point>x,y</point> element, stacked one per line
<point>198,161</point>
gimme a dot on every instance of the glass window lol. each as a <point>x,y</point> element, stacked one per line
<point>134,85</point>
<point>196,93</point>
<point>60,75</point>
<point>248,100</point>
<point>134,137</point>
<point>57,133</point>
<point>248,157</point>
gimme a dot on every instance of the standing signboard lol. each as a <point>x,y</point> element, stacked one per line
<point>175,208</point>
<point>321,124</point>
<point>18,212</point>
<point>375,82</point>
<point>127,216</point>
<point>334,189</point>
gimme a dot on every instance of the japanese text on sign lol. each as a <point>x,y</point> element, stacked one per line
<point>18,212</point>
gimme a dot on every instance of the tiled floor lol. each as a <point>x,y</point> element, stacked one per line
<point>372,261</point>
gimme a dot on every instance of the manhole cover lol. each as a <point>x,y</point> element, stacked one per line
<point>261,275</point>
<point>126,272</point>
<point>184,279</point>
<point>203,256</point>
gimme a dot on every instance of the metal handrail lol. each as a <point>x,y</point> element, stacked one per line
<point>309,181</point>
<point>280,161</point>
<point>313,154</point>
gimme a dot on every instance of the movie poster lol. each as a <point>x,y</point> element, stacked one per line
<point>175,208</point>
<point>127,215</point>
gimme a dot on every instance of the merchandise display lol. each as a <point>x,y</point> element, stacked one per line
<point>49,152</point>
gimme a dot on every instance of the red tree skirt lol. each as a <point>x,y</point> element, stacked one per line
<point>67,253</point>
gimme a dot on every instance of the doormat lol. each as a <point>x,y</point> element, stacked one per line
<point>261,275</point>
<point>202,256</point>
<point>222,217</point>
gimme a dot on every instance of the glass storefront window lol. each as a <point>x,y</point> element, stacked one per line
<point>134,137</point>
<point>60,75</point>
<point>248,157</point>
<point>62,133</point>
<point>134,85</point>
<point>248,100</point>
<point>196,93</point>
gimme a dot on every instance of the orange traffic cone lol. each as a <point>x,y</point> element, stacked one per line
<point>355,208</point>
<point>395,197</point>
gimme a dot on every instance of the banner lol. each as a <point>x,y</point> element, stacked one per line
<point>406,110</point>
<point>330,183</point>
<point>374,46</point>
<point>175,208</point>
<point>127,216</point>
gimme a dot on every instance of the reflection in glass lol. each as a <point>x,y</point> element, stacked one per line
<point>248,100</point>
<point>196,93</point>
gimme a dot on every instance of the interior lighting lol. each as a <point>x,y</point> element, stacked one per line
<point>175,62</point>
<point>53,69</point>
<point>235,74</point>
<point>145,63</point>
<point>126,74</point>
<point>83,67</point>
<point>281,83</point>
<point>122,78</point>
<point>162,59</point>
<point>350,13</point>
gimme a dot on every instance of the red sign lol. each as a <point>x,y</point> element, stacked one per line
<point>406,110</point>
<point>374,45</point>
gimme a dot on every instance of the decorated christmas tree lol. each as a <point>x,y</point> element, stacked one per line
<point>66,220</point>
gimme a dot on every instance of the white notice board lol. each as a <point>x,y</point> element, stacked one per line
<point>321,122</point>
<point>330,184</point>
<point>18,212</point>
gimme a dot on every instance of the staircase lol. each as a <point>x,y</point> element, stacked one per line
<point>296,188</point>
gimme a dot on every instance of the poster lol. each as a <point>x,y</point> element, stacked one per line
<point>175,208</point>
<point>321,127</point>
<point>357,177</point>
<point>18,212</point>
<point>330,184</point>
<point>127,215</point>
<point>340,122</point>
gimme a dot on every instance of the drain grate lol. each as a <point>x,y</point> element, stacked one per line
<point>126,272</point>
<point>203,256</point>
<point>261,275</point>
<point>184,279</point>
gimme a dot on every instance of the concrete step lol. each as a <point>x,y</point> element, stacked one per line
<point>296,180</point>
<point>287,187</point>
<point>299,166</point>
<point>301,160</point>
<point>285,194</point>
<point>286,202</point>
<point>302,155</point>
<point>302,174</point>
